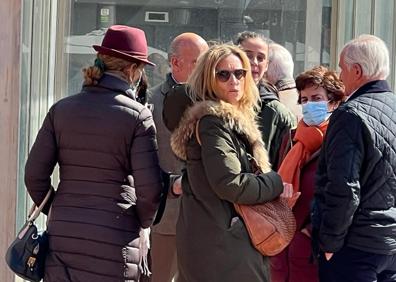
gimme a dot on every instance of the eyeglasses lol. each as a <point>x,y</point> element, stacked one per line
<point>224,75</point>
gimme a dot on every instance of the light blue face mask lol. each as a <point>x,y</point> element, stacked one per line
<point>314,113</point>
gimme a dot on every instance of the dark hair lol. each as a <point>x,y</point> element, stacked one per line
<point>242,36</point>
<point>321,77</point>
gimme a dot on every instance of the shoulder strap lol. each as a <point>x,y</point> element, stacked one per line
<point>35,211</point>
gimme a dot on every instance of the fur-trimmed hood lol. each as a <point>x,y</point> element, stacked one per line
<point>235,119</point>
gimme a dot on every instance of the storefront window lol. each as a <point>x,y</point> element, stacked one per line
<point>363,16</point>
<point>376,17</point>
<point>26,43</point>
<point>57,37</point>
<point>292,23</point>
<point>37,85</point>
<point>384,10</point>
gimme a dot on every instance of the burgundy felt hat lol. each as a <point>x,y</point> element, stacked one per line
<point>124,42</point>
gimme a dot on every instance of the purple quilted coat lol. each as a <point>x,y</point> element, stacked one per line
<point>97,138</point>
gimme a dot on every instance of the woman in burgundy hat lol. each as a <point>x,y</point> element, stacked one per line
<point>99,137</point>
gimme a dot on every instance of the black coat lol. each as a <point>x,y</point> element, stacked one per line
<point>356,178</point>
<point>97,137</point>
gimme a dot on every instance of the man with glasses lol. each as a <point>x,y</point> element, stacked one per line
<point>275,120</point>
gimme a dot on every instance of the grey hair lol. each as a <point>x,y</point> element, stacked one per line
<point>280,64</point>
<point>371,53</point>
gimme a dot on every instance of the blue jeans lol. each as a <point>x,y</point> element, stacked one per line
<point>353,265</point>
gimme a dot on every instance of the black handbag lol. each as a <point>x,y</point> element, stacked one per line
<point>26,255</point>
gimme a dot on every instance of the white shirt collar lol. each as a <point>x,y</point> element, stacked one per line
<point>347,97</point>
<point>174,79</point>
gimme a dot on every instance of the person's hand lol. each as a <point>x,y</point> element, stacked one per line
<point>306,232</point>
<point>177,187</point>
<point>287,190</point>
<point>328,256</point>
<point>128,194</point>
<point>288,195</point>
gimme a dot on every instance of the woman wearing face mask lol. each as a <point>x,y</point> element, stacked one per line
<point>98,137</point>
<point>320,92</point>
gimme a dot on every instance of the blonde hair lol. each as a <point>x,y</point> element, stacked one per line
<point>104,63</point>
<point>203,81</point>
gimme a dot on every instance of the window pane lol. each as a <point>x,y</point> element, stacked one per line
<point>37,69</point>
<point>23,145</point>
<point>363,17</point>
<point>383,26</point>
<point>286,22</point>
<point>326,33</point>
<point>345,23</point>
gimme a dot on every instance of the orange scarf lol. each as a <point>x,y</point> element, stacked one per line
<point>308,140</point>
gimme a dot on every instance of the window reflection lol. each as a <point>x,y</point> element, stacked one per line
<point>284,22</point>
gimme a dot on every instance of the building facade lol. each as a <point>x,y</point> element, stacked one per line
<point>45,44</point>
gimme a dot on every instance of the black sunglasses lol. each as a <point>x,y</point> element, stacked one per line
<point>224,75</point>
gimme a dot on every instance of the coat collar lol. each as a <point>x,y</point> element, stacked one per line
<point>115,84</point>
<point>285,84</point>
<point>375,86</point>
<point>267,92</point>
<point>236,121</point>
<point>168,84</point>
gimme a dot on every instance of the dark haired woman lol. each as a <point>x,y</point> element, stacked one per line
<point>320,92</point>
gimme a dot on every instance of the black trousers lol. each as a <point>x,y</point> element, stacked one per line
<point>353,265</point>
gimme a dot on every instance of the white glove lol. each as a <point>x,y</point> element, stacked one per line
<point>144,246</point>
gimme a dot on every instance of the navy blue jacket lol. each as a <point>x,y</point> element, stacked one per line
<point>356,178</point>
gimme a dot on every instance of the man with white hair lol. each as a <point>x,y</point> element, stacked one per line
<point>354,211</point>
<point>280,73</point>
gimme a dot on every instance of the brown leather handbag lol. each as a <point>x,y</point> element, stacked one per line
<point>271,225</point>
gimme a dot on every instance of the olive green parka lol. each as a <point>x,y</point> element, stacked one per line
<point>212,241</point>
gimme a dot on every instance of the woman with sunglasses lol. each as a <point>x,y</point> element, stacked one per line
<point>215,138</point>
<point>320,92</point>
<point>275,120</point>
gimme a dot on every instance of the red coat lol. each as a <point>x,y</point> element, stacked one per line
<point>294,264</point>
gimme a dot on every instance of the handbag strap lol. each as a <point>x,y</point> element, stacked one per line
<point>35,211</point>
